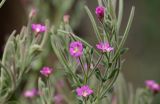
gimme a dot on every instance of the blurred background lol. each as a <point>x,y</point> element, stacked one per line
<point>143,58</point>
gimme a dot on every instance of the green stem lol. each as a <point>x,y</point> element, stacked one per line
<point>84,100</point>
<point>110,85</point>
<point>99,91</point>
<point>85,75</point>
<point>50,91</point>
<point>99,60</point>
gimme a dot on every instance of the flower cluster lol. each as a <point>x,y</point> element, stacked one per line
<point>46,71</point>
<point>76,49</point>
<point>84,91</point>
<point>104,47</point>
<point>152,85</point>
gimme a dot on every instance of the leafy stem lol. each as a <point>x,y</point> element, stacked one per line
<point>83,69</point>
<point>96,65</point>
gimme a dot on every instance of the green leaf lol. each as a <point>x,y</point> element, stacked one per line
<point>120,15</point>
<point>2,2</point>
<point>80,101</point>
<point>112,73</point>
<point>91,51</point>
<point>41,84</point>
<point>45,36</point>
<point>100,2</point>
<point>35,49</point>
<point>125,34</point>
<point>98,74</point>
<point>121,90</point>
<point>123,51</point>
<point>5,69</point>
<point>93,23</point>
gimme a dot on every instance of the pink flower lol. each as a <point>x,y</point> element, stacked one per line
<point>76,49</point>
<point>149,83</point>
<point>30,93</point>
<point>104,47</point>
<point>46,71</point>
<point>84,91</point>
<point>38,28</point>
<point>100,12</point>
<point>152,85</point>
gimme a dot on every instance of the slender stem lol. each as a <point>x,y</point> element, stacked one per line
<point>105,30</point>
<point>85,100</point>
<point>98,92</point>
<point>110,85</point>
<point>88,66</point>
<point>99,60</point>
<point>49,87</point>
<point>85,75</point>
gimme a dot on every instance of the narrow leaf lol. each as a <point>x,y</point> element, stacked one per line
<point>120,15</point>
<point>112,73</point>
<point>93,23</point>
<point>98,74</point>
<point>125,33</point>
<point>2,2</point>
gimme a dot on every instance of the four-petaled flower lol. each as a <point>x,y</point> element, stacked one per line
<point>84,91</point>
<point>104,47</point>
<point>30,93</point>
<point>152,85</point>
<point>100,12</point>
<point>38,28</point>
<point>76,49</point>
<point>46,71</point>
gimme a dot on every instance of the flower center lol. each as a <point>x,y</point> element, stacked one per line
<point>37,29</point>
<point>103,46</point>
<point>85,93</point>
<point>76,50</point>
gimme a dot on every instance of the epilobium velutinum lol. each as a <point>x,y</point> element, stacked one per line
<point>38,28</point>
<point>95,82</point>
<point>104,47</point>
<point>76,49</point>
<point>84,91</point>
<point>152,86</point>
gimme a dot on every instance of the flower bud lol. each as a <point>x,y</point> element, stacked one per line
<point>100,12</point>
